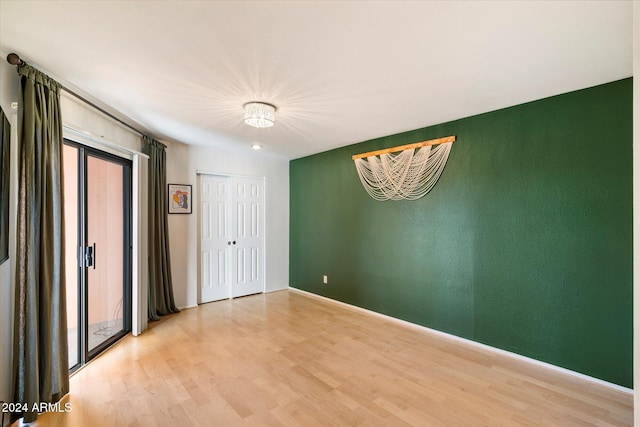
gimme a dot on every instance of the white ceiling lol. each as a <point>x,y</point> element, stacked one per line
<point>339,72</point>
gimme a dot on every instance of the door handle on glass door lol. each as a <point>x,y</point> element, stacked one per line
<point>88,256</point>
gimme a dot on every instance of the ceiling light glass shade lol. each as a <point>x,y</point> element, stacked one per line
<point>260,115</point>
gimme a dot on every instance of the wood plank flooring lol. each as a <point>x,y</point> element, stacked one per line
<point>287,359</point>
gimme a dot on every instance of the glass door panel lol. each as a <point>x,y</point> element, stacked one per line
<point>105,231</point>
<point>98,257</point>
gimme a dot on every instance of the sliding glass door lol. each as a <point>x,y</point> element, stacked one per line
<point>98,260</point>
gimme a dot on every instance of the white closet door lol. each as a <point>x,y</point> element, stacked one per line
<point>247,272</point>
<point>215,248</point>
<point>232,237</point>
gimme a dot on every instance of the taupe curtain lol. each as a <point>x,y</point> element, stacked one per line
<point>40,352</point>
<point>5,142</point>
<point>160,287</point>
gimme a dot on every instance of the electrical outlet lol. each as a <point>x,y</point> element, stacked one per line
<point>324,279</point>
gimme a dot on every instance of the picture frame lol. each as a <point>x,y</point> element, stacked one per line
<point>179,197</point>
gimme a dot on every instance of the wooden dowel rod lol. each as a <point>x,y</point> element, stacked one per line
<point>405,147</point>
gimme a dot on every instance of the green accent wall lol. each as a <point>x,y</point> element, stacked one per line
<point>525,243</point>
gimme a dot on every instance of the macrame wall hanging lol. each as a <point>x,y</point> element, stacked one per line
<point>407,175</point>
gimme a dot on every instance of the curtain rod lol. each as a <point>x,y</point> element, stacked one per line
<point>405,147</point>
<point>14,59</point>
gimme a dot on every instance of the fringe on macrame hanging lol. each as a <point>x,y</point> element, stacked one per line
<point>408,175</point>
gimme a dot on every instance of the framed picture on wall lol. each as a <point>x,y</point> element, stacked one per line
<point>179,198</point>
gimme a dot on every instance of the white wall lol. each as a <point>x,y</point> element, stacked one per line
<point>9,92</point>
<point>182,164</point>
<point>178,172</point>
<point>87,120</point>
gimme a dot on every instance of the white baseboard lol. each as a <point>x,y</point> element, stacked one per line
<point>470,343</point>
<point>187,306</point>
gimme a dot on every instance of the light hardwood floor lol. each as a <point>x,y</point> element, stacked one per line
<point>285,358</point>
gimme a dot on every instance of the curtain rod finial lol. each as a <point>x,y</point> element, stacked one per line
<point>14,59</point>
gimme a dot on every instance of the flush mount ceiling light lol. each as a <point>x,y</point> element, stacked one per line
<point>259,114</point>
<point>256,146</point>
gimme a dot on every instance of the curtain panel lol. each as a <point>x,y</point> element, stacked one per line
<point>40,352</point>
<point>161,300</point>
<point>5,142</point>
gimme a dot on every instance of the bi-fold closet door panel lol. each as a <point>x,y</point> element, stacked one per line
<point>232,237</point>
<point>215,213</point>
<point>247,214</point>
